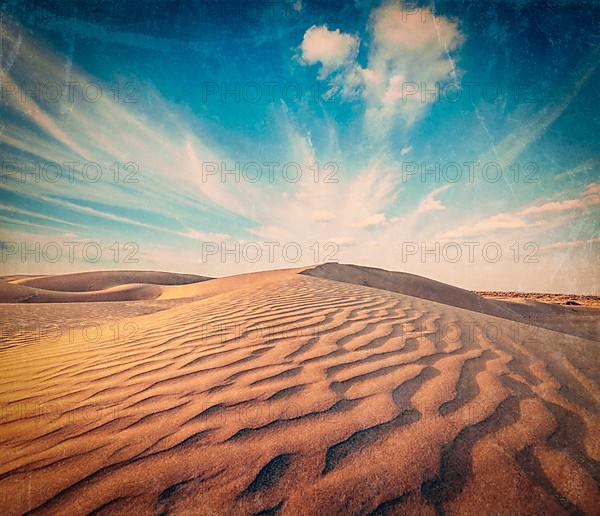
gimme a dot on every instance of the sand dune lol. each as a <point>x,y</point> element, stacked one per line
<point>91,286</point>
<point>227,284</point>
<point>102,280</point>
<point>295,393</point>
<point>10,293</point>
<point>581,321</point>
<point>410,285</point>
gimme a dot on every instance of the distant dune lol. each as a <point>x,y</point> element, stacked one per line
<point>560,299</point>
<point>91,286</point>
<point>101,280</point>
<point>337,389</point>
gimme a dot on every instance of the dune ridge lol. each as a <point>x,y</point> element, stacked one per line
<point>298,394</point>
<point>581,321</point>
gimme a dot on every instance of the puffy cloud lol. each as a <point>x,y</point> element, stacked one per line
<point>410,54</point>
<point>398,28</point>
<point>331,48</point>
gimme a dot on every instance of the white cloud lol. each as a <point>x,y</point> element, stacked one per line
<point>592,190</point>
<point>396,25</point>
<point>531,216</point>
<point>570,244</point>
<point>590,197</point>
<point>343,214</point>
<point>557,207</point>
<point>578,169</point>
<point>410,52</point>
<point>194,234</point>
<point>487,226</point>
<point>331,48</point>
<point>430,203</point>
<point>372,221</point>
<point>36,215</point>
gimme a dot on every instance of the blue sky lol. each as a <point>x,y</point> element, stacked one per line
<point>372,92</point>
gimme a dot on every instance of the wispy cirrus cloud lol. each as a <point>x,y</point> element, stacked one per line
<point>516,142</point>
<point>430,203</point>
<point>569,245</point>
<point>584,167</point>
<point>536,215</point>
<point>368,213</point>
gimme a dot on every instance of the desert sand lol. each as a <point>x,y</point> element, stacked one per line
<point>334,389</point>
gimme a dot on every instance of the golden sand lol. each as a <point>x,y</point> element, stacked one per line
<point>292,393</point>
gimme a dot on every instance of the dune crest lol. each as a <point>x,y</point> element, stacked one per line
<point>292,393</point>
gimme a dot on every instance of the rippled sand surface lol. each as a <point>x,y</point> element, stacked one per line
<point>299,394</point>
